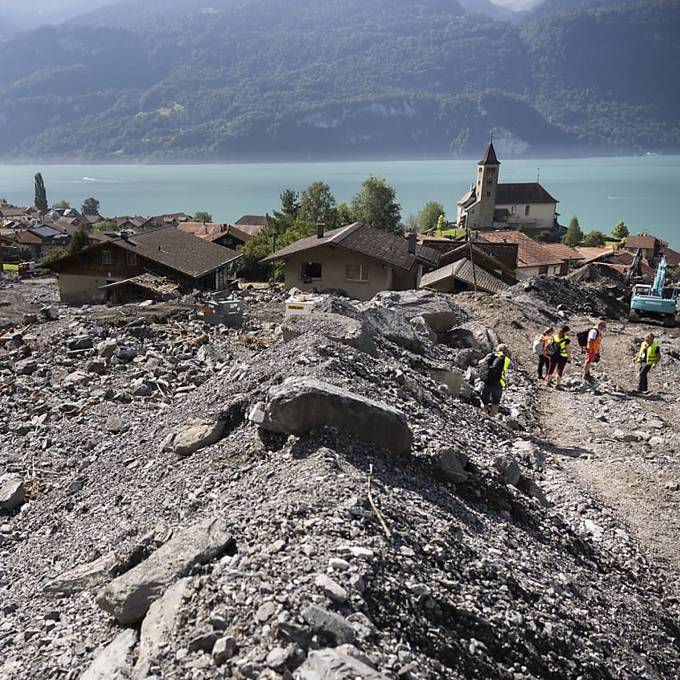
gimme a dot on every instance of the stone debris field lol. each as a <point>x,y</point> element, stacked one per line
<point>321,497</point>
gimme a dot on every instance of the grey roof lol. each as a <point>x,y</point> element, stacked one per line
<point>489,157</point>
<point>174,249</point>
<point>522,192</point>
<point>364,240</point>
<point>463,270</point>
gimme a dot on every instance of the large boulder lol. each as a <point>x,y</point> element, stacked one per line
<point>12,492</point>
<point>342,329</point>
<point>84,576</point>
<point>439,311</point>
<point>394,327</point>
<point>114,662</point>
<point>299,405</point>
<point>129,596</point>
<point>159,624</point>
<point>333,664</point>
<point>473,335</point>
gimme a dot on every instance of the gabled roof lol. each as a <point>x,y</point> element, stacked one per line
<point>644,241</point>
<point>171,248</point>
<point>522,192</point>
<point>530,253</point>
<point>364,240</point>
<point>489,157</point>
<point>471,275</point>
<point>479,257</point>
<point>251,221</point>
<point>567,253</point>
<point>212,231</point>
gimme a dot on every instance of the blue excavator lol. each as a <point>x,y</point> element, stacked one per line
<point>655,301</point>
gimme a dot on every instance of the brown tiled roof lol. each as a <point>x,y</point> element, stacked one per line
<point>592,254</point>
<point>364,240</point>
<point>530,253</point>
<point>172,248</point>
<point>644,241</point>
<point>479,256</point>
<point>672,256</point>
<point>11,211</point>
<point>489,157</point>
<point>251,221</point>
<point>527,192</point>
<point>211,231</point>
<point>567,253</point>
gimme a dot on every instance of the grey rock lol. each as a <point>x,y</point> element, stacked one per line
<point>97,366</point>
<point>160,623</point>
<point>451,464</point>
<point>129,596</point>
<point>530,488</point>
<point>331,588</point>
<point>114,424</point>
<point>299,405</point>
<point>80,342</point>
<point>473,335</point>
<point>265,611</point>
<point>114,662</point>
<point>335,327</point>
<point>329,625</point>
<point>197,435</point>
<point>508,468</point>
<point>83,577</point>
<point>49,313</point>
<point>279,656</point>
<point>451,379</point>
<point>203,640</point>
<point>26,367</point>
<point>12,492</point>
<point>224,649</point>
<point>423,330</point>
<point>107,348</point>
<point>395,328</point>
<point>332,664</point>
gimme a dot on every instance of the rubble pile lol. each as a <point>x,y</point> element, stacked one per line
<point>550,299</point>
<point>257,525</point>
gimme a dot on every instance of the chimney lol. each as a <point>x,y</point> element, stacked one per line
<point>412,240</point>
<point>320,227</point>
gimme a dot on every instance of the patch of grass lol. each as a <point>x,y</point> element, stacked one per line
<point>10,267</point>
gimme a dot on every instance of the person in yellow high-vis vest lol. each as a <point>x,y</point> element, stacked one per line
<point>648,357</point>
<point>496,379</point>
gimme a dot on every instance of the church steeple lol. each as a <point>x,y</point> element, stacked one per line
<point>489,157</point>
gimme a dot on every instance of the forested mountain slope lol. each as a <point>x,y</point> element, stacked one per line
<point>273,79</point>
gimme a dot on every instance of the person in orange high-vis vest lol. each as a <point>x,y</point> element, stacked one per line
<point>593,348</point>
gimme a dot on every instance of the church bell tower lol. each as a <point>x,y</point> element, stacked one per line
<point>485,189</point>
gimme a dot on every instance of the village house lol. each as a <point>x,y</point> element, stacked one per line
<point>42,240</point>
<point>251,224</point>
<point>652,248</point>
<point>533,258</point>
<point>468,267</point>
<point>226,235</point>
<point>492,204</point>
<point>188,261</point>
<point>357,260</point>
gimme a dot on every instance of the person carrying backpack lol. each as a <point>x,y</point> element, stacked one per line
<point>496,379</point>
<point>541,343</point>
<point>593,348</point>
<point>648,357</point>
<point>558,351</point>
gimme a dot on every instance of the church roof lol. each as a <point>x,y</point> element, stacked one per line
<point>528,192</point>
<point>489,157</point>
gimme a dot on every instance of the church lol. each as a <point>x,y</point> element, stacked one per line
<point>491,204</point>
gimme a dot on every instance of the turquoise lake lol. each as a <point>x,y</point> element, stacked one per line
<point>644,191</point>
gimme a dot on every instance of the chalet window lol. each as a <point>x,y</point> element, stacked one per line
<point>310,271</point>
<point>107,257</point>
<point>132,259</point>
<point>527,209</point>
<point>356,272</point>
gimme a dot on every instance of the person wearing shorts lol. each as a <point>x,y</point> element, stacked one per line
<point>497,380</point>
<point>593,349</point>
<point>559,355</point>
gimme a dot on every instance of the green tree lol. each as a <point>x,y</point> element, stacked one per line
<point>574,233</point>
<point>620,231</point>
<point>376,205</point>
<point>290,203</point>
<point>90,206</point>
<point>79,241</point>
<point>441,225</point>
<point>429,216</point>
<point>202,216</point>
<point>40,199</point>
<point>62,205</point>
<point>594,239</point>
<point>317,204</point>
<point>342,215</point>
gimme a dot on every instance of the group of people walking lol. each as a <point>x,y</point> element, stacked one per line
<point>553,350</point>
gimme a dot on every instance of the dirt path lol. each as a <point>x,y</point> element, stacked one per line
<point>624,449</point>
